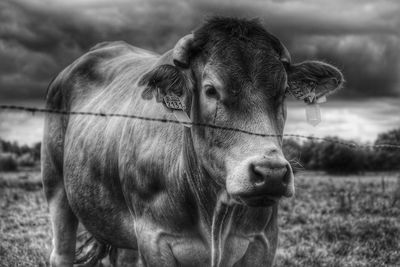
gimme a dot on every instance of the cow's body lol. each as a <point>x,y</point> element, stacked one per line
<point>179,196</point>
<point>111,164</point>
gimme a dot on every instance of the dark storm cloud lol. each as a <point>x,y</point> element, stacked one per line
<point>38,38</point>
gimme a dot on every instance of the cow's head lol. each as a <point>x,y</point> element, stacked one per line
<point>233,73</point>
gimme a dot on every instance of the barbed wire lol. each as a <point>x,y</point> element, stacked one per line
<point>33,110</point>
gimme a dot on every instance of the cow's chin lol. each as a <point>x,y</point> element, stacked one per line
<point>259,201</point>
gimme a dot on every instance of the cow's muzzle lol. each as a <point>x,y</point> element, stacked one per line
<point>261,181</point>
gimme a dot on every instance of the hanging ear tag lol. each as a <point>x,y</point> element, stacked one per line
<point>313,114</point>
<point>306,91</point>
<point>177,106</point>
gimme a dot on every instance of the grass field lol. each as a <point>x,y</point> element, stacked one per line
<point>332,221</point>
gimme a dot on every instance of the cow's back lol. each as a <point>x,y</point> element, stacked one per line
<point>106,74</point>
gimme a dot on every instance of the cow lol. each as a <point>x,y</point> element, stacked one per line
<point>176,195</point>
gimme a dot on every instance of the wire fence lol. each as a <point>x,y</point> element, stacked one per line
<point>34,110</point>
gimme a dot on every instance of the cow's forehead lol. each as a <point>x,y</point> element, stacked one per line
<point>241,66</point>
<point>223,33</point>
<point>247,56</point>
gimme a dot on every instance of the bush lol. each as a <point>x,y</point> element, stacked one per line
<point>311,155</point>
<point>26,160</point>
<point>387,159</point>
<point>8,162</point>
<point>336,158</point>
<point>332,157</point>
<point>36,151</point>
<point>291,149</point>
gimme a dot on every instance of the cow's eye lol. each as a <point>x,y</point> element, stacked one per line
<point>211,92</point>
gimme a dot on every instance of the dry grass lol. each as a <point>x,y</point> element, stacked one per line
<point>341,221</point>
<point>25,235</point>
<point>332,221</point>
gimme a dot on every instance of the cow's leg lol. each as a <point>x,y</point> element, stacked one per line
<point>64,222</point>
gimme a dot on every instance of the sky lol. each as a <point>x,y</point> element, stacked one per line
<point>38,38</point>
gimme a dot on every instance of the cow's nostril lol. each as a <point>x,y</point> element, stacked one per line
<point>259,175</point>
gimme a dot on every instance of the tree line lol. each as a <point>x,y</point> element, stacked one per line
<point>310,155</point>
<point>14,156</point>
<point>336,158</point>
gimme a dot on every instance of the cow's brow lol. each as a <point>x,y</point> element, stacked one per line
<point>33,110</point>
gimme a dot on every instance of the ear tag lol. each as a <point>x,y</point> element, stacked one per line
<point>313,114</point>
<point>306,92</point>
<point>321,100</point>
<point>177,106</point>
<point>313,111</point>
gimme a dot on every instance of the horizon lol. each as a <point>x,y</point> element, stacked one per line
<point>347,120</point>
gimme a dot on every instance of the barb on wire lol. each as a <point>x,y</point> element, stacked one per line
<point>131,116</point>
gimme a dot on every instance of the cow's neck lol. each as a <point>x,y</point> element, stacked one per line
<point>202,187</point>
<point>214,217</point>
<point>215,210</point>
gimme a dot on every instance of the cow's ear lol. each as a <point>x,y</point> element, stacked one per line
<point>313,78</point>
<point>161,81</point>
